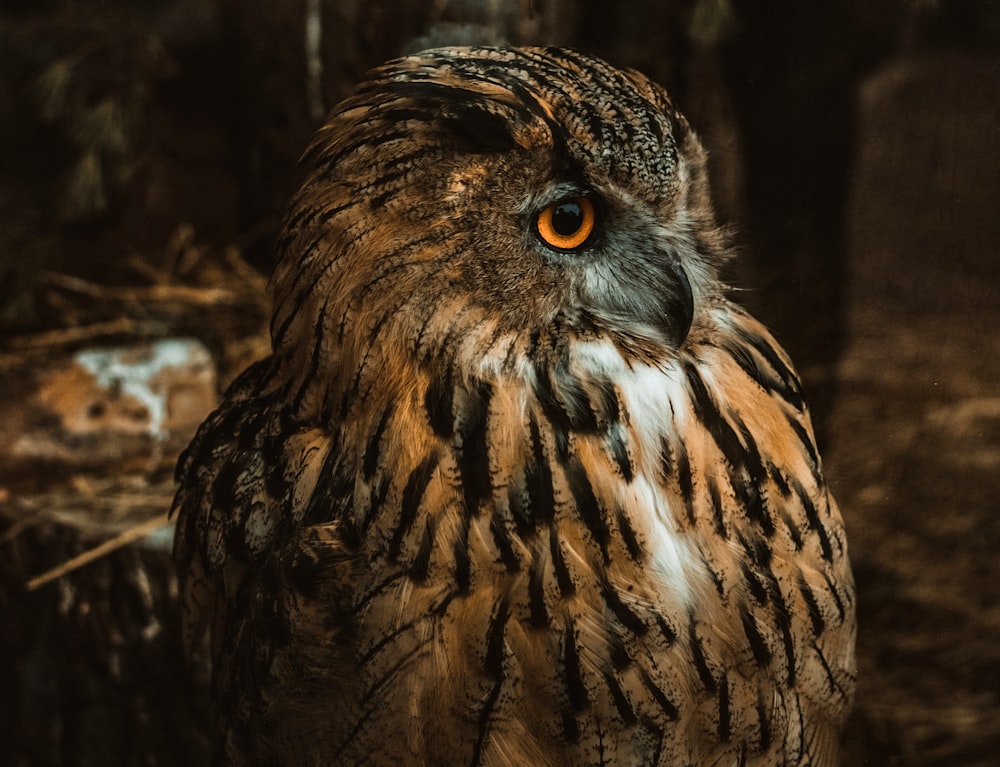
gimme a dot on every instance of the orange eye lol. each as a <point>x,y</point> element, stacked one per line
<point>567,225</point>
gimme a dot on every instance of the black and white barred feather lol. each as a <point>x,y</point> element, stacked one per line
<point>494,503</point>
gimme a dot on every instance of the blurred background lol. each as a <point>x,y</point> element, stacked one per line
<point>147,150</point>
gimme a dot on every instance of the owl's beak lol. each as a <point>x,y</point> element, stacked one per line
<point>649,298</point>
<point>679,308</point>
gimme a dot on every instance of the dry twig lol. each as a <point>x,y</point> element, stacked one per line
<point>113,544</point>
<point>159,293</point>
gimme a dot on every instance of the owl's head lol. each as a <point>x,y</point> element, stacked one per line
<point>496,194</point>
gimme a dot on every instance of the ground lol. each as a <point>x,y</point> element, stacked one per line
<point>913,460</point>
<point>914,431</point>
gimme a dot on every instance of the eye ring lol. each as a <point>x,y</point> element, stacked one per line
<point>567,224</point>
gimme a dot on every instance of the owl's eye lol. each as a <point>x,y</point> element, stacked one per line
<point>567,224</point>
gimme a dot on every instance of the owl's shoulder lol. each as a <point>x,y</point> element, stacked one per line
<point>250,481</point>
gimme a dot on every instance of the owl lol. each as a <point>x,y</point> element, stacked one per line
<point>518,484</point>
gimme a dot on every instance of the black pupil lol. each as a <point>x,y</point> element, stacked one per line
<point>567,218</point>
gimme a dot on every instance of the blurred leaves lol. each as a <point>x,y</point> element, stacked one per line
<point>95,94</point>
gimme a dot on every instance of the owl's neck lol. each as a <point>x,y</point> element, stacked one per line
<point>466,467</point>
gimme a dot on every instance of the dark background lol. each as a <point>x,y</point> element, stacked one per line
<point>855,145</point>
